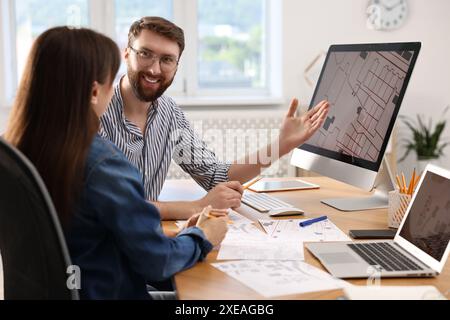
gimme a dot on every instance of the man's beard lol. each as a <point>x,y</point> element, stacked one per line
<point>146,95</point>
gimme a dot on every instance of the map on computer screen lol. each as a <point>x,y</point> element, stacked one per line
<point>363,89</point>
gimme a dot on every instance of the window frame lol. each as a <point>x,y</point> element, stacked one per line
<point>185,89</point>
<point>269,95</point>
<point>8,76</point>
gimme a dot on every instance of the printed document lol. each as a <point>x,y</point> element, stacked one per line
<point>280,278</point>
<point>323,231</point>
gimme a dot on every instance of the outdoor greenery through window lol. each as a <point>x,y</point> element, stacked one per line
<point>231,44</point>
<point>128,11</point>
<point>35,16</point>
<point>226,46</point>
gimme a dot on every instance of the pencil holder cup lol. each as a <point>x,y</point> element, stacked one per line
<point>398,203</point>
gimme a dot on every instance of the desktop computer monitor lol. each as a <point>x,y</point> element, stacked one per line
<point>365,85</point>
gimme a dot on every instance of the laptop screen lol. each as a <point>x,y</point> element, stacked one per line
<point>427,225</point>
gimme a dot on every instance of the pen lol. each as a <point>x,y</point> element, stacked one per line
<point>312,221</point>
<point>248,185</point>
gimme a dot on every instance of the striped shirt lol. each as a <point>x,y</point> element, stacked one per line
<point>168,136</point>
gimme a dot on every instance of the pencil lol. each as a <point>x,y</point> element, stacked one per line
<point>411,183</point>
<point>404,183</point>
<point>248,185</point>
<point>209,216</point>
<point>219,211</point>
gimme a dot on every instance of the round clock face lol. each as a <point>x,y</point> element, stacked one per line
<point>386,14</point>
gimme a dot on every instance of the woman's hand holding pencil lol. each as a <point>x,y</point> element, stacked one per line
<point>207,213</point>
<point>213,223</point>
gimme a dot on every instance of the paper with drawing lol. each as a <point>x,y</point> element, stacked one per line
<point>280,278</point>
<point>247,242</point>
<point>324,231</point>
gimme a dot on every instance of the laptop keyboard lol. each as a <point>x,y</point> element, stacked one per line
<point>263,202</point>
<point>385,255</point>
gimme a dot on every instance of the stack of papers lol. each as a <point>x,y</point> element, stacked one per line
<point>280,278</point>
<point>237,218</point>
<point>323,231</point>
<point>247,242</point>
<point>271,261</point>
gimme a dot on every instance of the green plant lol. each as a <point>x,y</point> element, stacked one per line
<point>425,141</point>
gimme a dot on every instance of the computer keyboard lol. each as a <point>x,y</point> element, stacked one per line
<point>385,255</point>
<point>263,202</point>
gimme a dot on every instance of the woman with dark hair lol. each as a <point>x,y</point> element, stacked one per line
<point>114,235</point>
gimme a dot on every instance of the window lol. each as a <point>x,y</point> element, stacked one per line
<point>128,11</point>
<point>230,48</point>
<point>32,17</point>
<point>231,51</point>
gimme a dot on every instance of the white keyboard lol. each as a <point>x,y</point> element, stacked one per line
<point>263,202</point>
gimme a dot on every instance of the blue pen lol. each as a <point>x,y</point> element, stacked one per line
<point>312,221</point>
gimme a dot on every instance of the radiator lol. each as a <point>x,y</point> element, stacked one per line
<point>232,138</point>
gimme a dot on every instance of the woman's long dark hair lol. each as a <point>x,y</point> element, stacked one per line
<point>52,121</point>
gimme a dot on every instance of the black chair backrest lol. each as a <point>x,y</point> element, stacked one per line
<point>32,244</point>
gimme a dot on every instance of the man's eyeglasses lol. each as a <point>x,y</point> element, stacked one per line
<point>148,58</point>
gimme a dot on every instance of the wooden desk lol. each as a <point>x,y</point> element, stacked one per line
<point>204,282</point>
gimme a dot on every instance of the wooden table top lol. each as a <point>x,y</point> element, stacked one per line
<point>204,282</point>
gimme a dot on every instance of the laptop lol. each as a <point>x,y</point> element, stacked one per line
<point>420,247</point>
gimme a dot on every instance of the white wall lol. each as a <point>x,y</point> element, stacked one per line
<point>317,24</point>
<point>311,26</point>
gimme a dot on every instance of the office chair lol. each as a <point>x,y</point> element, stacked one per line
<point>32,244</point>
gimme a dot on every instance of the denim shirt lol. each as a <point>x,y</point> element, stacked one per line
<point>115,235</point>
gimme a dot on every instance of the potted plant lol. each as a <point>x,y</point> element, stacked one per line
<point>426,139</point>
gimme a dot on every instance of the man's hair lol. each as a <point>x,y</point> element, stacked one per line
<point>160,26</point>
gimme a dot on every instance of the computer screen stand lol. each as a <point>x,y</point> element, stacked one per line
<point>378,200</point>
